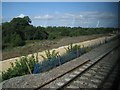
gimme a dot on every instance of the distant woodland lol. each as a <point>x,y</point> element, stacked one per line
<point>18,30</point>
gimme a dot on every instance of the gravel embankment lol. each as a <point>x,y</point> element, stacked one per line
<point>33,81</point>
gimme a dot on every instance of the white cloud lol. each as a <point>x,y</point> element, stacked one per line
<point>89,15</point>
<point>84,19</point>
<point>71,16</point>
<point>44,17</point>
<point>81,16</point>
<point>98,15</point>
<point>78,15</point>
<point>21,15</point>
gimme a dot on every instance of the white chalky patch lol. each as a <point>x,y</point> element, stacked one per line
<point>60,83</point>
<point>71,86</point>
<point>99,77</point>
<point>88,64</point>
<point>72,75</point>
<point>84,66</point>
<point>81,69</point>
<point>83,78</point>
<point>52,87</point>
<point>91,62</point>
<point>92,71</point>
<point>67,79</point>
<point>95,80</point>
<point>87,74</point>
<point>76,72</point>
<point>80,82</point>
<point>92,85</point>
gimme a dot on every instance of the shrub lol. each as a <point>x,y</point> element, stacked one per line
<point>50,55</point>
<point>28,65</point>
<point>52,36</point>
<point>21,67</point>
<point>77,49</point>
<point>87,49</point>
<point>50,61</point>
<point>71,48</point>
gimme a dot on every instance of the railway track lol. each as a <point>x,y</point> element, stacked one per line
<point>95,69</point>
<point>98,73</point>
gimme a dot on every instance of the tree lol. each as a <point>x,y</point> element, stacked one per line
<point>29,32</point>
<point>16,40</point>
<point>20,23</point>
<point>26,18</point>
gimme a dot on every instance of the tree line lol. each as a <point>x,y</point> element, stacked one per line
<point>18,30</point>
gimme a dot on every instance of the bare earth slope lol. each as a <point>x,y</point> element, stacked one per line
<point>37,46</point>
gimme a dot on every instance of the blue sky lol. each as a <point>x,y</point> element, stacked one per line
<point>73,14</point>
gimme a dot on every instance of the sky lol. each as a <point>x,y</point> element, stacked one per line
<point>60,0</point>
<point>70,14</point>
